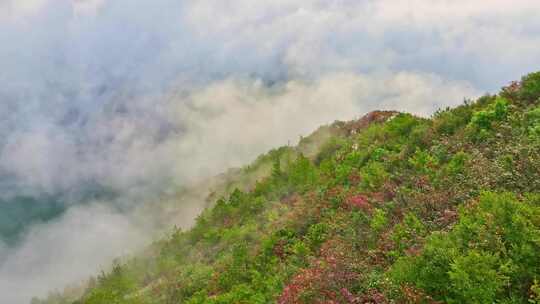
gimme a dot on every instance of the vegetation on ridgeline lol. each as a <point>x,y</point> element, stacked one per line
<point>391,208</point>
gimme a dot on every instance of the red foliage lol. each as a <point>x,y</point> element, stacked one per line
<point>228,221</point>
<point>291,199</point>
<point>360,201</point>
<point>326,278</point>
<point>373,296</point>
<point>279,249</point>
<point>378,197</point>
<point>355,178</point>
<point>429,201</point>
<point>304,209</point>
<point>422,182</point>
<point>447,217</point>
<point>379,256</point>
<point>348,296</point>
<point>413,251</point>
<point>334,192</point>
<point>365,201</point>
<point>389,190</point>
<point>511,90</point>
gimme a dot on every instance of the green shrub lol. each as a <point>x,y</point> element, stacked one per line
<point>533,123</point>
<point>317,234</point>
<point>401,125</point>
<point>421,136</point>
<point>423,162</point>
<point>373,175</point>
<point>477,277</point>
<point>379,220</point>
<point>378,154</point>
<point>328,149</point>
<point>192,278</point>
<point>456,165</point>
<point>497,111</point>
<point>447,122</point>
<point>500,109</point>
<point>428,271</point>
<point>530,87</point>
<point>482,119</point>
<point>406,233</point>
<point>112,287</point>
<point>302,173</point>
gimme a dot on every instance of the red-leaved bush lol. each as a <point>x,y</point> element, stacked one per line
<point>360,201</point>
<point>326,279</point>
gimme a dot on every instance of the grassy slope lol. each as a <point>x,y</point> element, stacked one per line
<point>388,209</point>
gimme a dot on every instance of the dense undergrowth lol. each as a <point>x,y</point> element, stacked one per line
<point>392,208</point>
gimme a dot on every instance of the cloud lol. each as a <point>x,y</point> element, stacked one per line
<point>20,8</point>
<point>143,97</point>
<point>232,121</point>
<point>66,251</point>
<point>463,40</point>
<point>178,138</point>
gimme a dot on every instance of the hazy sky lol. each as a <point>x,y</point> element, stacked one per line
<point>144,96</point>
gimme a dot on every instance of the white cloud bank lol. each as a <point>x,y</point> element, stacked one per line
<point>66,251</point>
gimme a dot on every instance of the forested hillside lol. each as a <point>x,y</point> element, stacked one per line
<point>390,208</point>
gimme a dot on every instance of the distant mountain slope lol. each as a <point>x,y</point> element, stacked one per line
<point>19,213</point>
<point>391,208</point>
